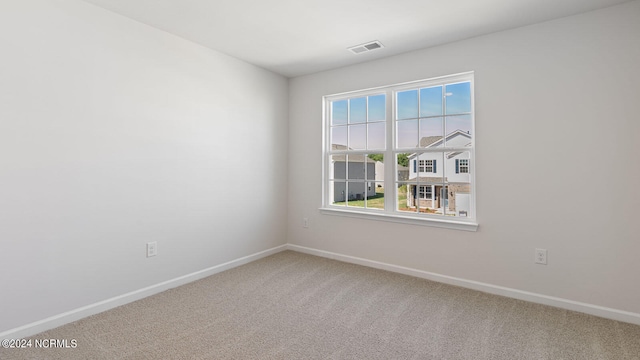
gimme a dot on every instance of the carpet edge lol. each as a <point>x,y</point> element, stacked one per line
<point>591,309</point>
<point>108,304</point>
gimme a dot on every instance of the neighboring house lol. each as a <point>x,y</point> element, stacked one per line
<point>358,185</point>
<point>379,174</point>
<point>441,179</point>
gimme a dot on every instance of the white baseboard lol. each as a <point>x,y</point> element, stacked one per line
<point>77,314</point>
<point>596,310</point>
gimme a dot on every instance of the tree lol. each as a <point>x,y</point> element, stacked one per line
<point>403,159</point>
<point>376,157</point>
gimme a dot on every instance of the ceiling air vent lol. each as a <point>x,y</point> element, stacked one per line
<point>358,49</point>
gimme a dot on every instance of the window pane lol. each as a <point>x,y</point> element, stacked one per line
<point>414,165</point>
<point>407,104</point>
<point>402,167</point>
<point>375,167</point>
<point>357,110</point>
<point>458,166</point>
<point>437,203</point>
<point>431,166</point>
<point>339,138</point>
<point>338,167</point>
<point>337,191</point>
<point>375,183</point>
<point>458,98</point>
<point>407,133</point>
<point>431,101</point>
<point>356,166</point>
<point>426,167</point>
<point>458,177</point>
<point>431,131</point>
<point>356,193</point>
<point>406,201</point>
<point>357,137</point>
<point>459,202</point>
<point>378,175</point>
<point>376,201</point>
<point>376,136</point>
<point>458,130</point>
<point>427,171</point>
<point>377,108</point>
<point>339,112</point>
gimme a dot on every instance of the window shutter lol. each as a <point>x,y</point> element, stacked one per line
<point>415,166</point>
<point>434,167</point>
<point>457,166</point>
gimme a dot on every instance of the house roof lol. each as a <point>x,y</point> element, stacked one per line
<point>428,140</point>
<point>429,180</point>
<point>426,180</point>
<point>432,141</point>
<point>352,158</point>
<point>438,141</point>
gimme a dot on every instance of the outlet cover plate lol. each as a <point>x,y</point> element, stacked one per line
<point>541,256</point>
<point>152,248</point>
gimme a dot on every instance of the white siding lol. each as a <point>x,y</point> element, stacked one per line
<point>445,163</point>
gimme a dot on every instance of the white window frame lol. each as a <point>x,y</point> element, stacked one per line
<point>389,213</point>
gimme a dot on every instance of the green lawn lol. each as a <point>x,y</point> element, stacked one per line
<point>375,202</point>
<point>402,199</point>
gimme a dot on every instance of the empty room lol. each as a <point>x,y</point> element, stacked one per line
<point>246,179</point>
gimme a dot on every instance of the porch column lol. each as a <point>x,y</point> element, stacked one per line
<point>433,196</point>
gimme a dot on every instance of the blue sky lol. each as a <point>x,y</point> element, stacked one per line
<point>412,106</point>
<point>363,133</point>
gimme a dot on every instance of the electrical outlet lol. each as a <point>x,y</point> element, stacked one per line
<point>541,256</point>
<point>152,248</point>
<point>305,222</point>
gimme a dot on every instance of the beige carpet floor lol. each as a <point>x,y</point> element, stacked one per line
<point>297,306</point>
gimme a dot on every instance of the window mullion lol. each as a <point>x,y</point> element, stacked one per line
<point>444,189</point>
<point>390,188</point>
<point>365,157</point>
<point>366,190</point>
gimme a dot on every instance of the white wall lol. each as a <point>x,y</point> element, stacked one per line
<point>578,78</point>
<point>113,134</point>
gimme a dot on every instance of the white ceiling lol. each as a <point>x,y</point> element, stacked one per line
<point>298,37</point>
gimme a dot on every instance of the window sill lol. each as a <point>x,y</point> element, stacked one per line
<point>403,219</point>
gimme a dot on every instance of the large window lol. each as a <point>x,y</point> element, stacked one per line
<point>414,142</point>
